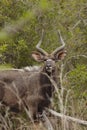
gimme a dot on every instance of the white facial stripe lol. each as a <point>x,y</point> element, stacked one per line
<point>49,60</point>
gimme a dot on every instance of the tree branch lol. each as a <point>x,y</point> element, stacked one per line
<point>69,118</point>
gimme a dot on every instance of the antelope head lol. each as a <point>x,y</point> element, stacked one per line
<point>49,59</point>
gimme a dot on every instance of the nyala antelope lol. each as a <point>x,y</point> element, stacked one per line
<point>32,89</point>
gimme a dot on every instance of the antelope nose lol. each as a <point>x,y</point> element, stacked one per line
<point>48,65</point>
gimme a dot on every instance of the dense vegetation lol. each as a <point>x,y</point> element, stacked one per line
<point>21,23</point>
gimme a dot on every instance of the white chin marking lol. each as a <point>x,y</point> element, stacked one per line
<point>49,69</point>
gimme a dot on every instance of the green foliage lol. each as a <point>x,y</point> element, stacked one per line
<point>24,21</point>
<point>22,54</point>
<point>78,80</point>
<point>5,66</point>
<point>45,4</point>
<point>80,73</point>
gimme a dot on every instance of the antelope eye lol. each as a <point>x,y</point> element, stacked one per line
<point>45,58</point>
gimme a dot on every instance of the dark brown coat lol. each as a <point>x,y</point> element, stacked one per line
<point>20,88</point>
<point>32,90</point>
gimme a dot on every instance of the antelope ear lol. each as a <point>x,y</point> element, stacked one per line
<point>37,56</point>
<point>60,55</point>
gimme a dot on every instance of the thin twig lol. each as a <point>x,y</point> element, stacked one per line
<point>76,24</point>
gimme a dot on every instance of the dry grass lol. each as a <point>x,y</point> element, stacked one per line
<point>21,121</point>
